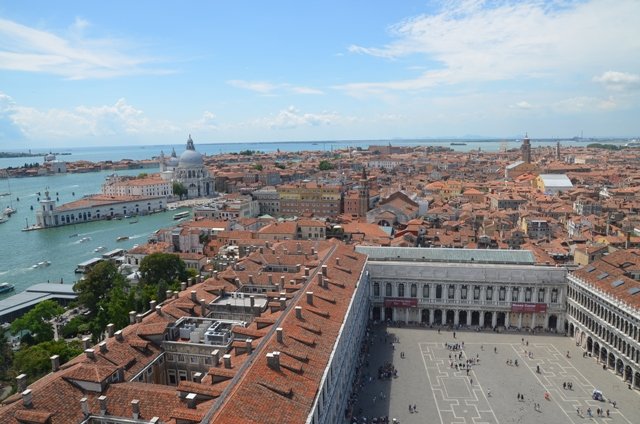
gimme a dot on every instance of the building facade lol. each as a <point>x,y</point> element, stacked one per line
<point>322,200</point>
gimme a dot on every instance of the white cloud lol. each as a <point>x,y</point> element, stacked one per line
<point>522,105</point>
<point>582,104</point>
<point>481,41</point>
<point>73,56</point>
<point>268,88</point>
<point>118,120</point>
<point>208,121</point>
<point>619,81</point>
<point>292,118</point>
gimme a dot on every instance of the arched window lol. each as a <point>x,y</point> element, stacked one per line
<point>376,289</point>
<point>425,291</point>
<point>439,291</point>
<point>387,290</point>
<point>401,290</point>
<point>414,290</point>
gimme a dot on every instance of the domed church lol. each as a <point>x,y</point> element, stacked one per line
<point>193,174</point>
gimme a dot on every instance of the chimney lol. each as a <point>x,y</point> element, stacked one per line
<point>310,298</point>
<point>215,274</point>
<point>299,312</point>
<point>279,336</point>
<point>313,250</point>
<point>132,317</point>
<point>135,409</point>
<point>103,347</point>
<point>197,377</point>
<point>252,301</point>
<point>283,303</point>
<point>110,329</point>
<point>249,346</point>
<point>119,336</point>
<point>27,398</point>
<point>103,405</point>
<point>261,251</point>
<point>152,305</point>
<point>91,354</point>
<point>139,318</point>
<point>194,296</point>
<point>86,342</point>
<point>84,404</point>
<point>273,360</point>
<point>266,244</point>
<point>55,363</point>
<point>203,307</point>
<point>215,356</point>
<point>183,286</point>
<point>281,282</point>
<point>319,278</point>
<point>191,401</point>
<point>176,294</point>
<point>21,382</point>
<point>159,310</point>
<point>270,277</point>
<point>250,278</point>
<point>337,261</point>
<point>306,271</point>
<point>226,359</point>
<point>168,294</point>
<point>324,270</point>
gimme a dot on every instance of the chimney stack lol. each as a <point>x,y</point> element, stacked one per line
<point>337,261</point>
<point>191,401</point>
<point>119,336</point>
<point>283,303</point>
<point>103,405</point>
<point>152,305</point>
<point>282,282</point>
<point>306,271</point>
<point>252,301</point>
<point>84,404</point>
<point>270,277</point>
<point>215,356</point>
<point>132,317</point>
<point>203,307</point>
<point>91,354</point>
<point>169,294</point>
<point>135,409</point>
<point>176,294</point>
<point>139,318</point>
<point>273,360</point>
<point>21,382</point>
<point>194,296</point>
<point>183,287</point>
<point>310,298</point>
<point>299,312</point>
<point>86,342</point>
<point>55,363</point>
<point>110,329</point>
<point>27,398</point>
<point>279,335</point>
<point>249,346</point>
<point>226,359</point>
<point>324,270</point>
<point>319,278</point>
<point>103,347</point>
<point>250,278</point>
<point>159,310</point>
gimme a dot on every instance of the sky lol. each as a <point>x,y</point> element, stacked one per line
<point>100,73</point>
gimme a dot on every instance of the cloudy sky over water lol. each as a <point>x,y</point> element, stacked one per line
<point>78,73</point>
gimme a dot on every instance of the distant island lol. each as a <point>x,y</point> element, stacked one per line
<point>28,154</point>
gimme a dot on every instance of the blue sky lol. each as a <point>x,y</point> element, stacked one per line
<point>78,73</point>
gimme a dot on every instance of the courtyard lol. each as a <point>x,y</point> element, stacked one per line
<point>433,376</point>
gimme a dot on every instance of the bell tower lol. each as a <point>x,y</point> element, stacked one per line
<point>363,194</point>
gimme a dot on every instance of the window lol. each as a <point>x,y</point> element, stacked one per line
<point>541,295</point>
<point>387,290</point>
<point>527,294</point>
<point>439,291</point>
<point>182,375</point>
<point>414,290</point>
<point>170,357</point>
<point>451,291</point>
<point>514,294</point>
<point>489,294</point>
<point>463,292</point>
<point>376,289</point>
<point>554,296</point>
<point>425,291</point>
<point>501,294</point>
<point>476,292</point>
<point>193,359</point>
<point>172,376</point>
<point>181,358</point>
<point>401,290</point>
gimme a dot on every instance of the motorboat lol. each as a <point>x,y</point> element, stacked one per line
<point>122,238</point>
<point>99,249</point>
<point>6,288</point>
<point>8,211</point>
<point>85,239</point>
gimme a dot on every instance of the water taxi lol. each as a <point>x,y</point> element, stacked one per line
<point>181,215</point>
<point>85,239</point>
<point>99,249</point>
<point>6,288</point>
<point>122,238</point>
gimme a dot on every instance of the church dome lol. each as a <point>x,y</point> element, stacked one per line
<point>190,158</point>
<point>50,157</point>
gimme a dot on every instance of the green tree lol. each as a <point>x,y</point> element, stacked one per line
<point>280,165</point>
<point>6,355</point>
<point>179,189</point>
<point>36,321</point>
<point>95,287</point>
<point>143,175</point>
<point>162,271</point>
<point>325,165</point>
<point>35,360</point>
<point>258,167</point>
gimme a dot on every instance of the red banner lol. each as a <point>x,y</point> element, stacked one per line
<point>400,302</point>
<point>529,307</point>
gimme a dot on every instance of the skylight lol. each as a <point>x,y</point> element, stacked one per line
<point>634,290</point>
<point>603,275</point>
<point>590,268</point>
<point>617,283</point>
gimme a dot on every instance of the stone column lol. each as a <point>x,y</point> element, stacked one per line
<point>506,319</point>
<point>533,320</point>
<point>443,321</point>
<point>382,317</point>
<point>469,318</point>
<point>406,315</point>
<point>431,316</point>
<point>481,318</point>
<point>494,319</point>
<point>456,317</point>
<point>519,320</point>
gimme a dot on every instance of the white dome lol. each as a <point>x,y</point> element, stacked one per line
<point>190,159</point>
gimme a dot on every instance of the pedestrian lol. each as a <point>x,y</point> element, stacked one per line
<point>607,413</point>
<point>495,350</point>
<point>489,393</point>
<point>471,383</point>
<point>481,347</point>
<point>564,386</point>
<point>415,408</point>
<point>454,334</point>
<point>410,410</point>
<point>589,412</point>
<point>518,396</point>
